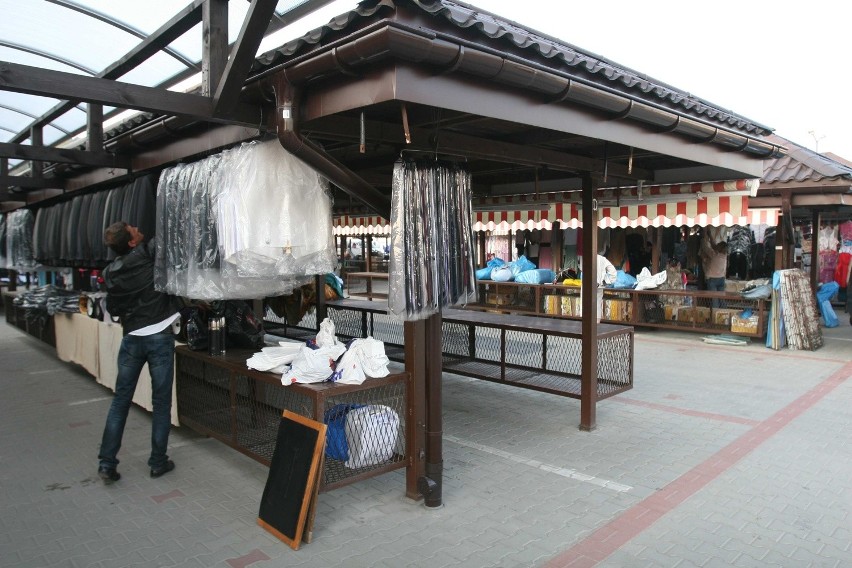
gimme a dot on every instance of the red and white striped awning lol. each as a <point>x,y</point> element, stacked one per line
<point>515,212</point>
<point>702,204</point>
<point>723,203</point>
<point>360,225</point>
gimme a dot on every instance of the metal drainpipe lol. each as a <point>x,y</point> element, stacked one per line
<point>286,113</point>
<point>432,485</point>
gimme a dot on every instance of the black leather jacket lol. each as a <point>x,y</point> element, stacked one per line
<point>130,290</point>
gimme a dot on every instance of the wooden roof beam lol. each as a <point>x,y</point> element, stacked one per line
<point>44,82</point>
<point>242,55</point>
<point>62,155</point>
<point>26,182</point>
<point>178,25</point>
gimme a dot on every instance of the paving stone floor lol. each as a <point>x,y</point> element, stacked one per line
<point>719,456</point>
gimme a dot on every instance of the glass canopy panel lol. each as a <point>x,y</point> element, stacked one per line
<point>154,71</point>
<point>94,41</point>
<point>53,29</point>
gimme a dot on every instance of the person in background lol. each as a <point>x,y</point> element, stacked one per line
<point>714,262</point>
<point>146,320</point>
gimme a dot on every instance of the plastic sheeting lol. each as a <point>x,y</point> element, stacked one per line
<point>2,241</point>
<point>251,222</point>
<point>431,261</point>
<point>19,240</point>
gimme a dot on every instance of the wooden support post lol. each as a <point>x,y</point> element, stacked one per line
<point>214,50</point>
<point>95,128</point>
<point>815,223</point>
<point>589,302</point>
<point>321,309</point>
<point>36,139</point>
<point>434,466</point>
<point>415,364</point>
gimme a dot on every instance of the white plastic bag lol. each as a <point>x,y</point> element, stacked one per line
<point>364,358</point>
<point>372,434</point>
<point>326,336</point>
<point>646,281</point>
<point>312,365</point>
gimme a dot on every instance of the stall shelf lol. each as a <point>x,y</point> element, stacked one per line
<point>241,407</point>
<point>684,310</point>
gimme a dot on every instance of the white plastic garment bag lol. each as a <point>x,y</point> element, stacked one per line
<point>372,434</point>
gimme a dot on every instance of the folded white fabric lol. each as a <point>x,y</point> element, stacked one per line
<point>274,357</point>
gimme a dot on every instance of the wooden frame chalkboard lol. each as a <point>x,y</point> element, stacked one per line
<point>293,477</point>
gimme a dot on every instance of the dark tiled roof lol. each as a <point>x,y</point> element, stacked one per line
<point>561,55</point>
<point>802,165</point>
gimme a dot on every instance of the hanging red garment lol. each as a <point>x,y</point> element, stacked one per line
<point>842,270</point>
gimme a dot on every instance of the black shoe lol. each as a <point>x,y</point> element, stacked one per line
<point>108,474</point>
<point>170,465</point>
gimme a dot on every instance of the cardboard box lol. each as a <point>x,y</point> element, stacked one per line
<point>617,310</point>
<point>722,316</point>
<point>553,305</point>
<point>693,314</point>
<point>500,298</point>
<point>571,306</point>
<point>744,325</point>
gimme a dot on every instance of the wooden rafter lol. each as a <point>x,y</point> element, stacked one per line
<point>242,55</point>
<point>44,82</point>
<point>178,25</point>
<point>26,182</point>
<point>62,155</point>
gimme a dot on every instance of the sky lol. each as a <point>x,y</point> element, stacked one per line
<point>785,65</point>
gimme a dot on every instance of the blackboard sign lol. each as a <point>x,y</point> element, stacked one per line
<point>293,477</point>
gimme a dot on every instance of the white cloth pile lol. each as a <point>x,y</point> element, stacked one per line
<point>647,281</point>
<point>275,359</point>
<point>326,359</point>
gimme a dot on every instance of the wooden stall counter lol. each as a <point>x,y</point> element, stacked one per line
<point>368,423</point>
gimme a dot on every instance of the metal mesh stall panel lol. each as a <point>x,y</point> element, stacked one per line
<point>204,396</point>
<point>527,349</point>
<point>488,343</point>
<point>366,432</point>
<point>455,339</point>
<point>615,364</point>
<point>349,323</point>
<point>564,355</point>
<point>258,407</point>
<point>388,329</point>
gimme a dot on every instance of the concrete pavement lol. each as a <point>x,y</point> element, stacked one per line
<point>719,456</point>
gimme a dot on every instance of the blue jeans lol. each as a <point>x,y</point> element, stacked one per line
<point>158,351</point>
<point>716,285</point>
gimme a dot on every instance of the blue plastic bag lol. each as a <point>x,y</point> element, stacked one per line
<point>521,265</point>
<point>495,262</point>
<point>484,273</point>
<point>624,280</point>
<point>502,274</point>
<point>536,276</point>
<point>335,436</point>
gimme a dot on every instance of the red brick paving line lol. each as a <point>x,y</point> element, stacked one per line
<point>687,412</point>
<point>599,545</point>
<point>250,558</point>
